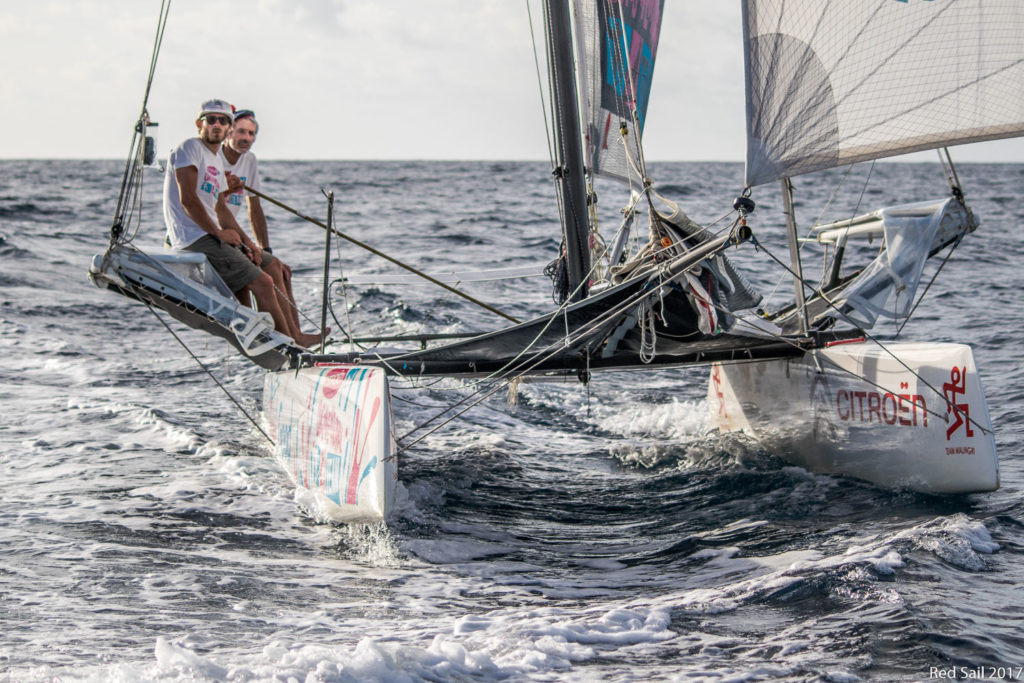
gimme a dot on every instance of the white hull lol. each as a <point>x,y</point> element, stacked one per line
<point>853,409</point>
<point>332,428</point>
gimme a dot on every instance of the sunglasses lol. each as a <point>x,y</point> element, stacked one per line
<point>214,118</point>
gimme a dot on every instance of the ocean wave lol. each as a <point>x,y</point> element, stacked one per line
<point>601,531</point>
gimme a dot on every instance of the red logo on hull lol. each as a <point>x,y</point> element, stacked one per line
<point>871,406</point>
<point>954,388</point>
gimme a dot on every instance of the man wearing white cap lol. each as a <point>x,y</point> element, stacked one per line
<point>197,218</point>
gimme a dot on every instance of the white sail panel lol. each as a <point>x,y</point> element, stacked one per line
<point>887,286</point>
<point>833,83</point>
<point>611,36</point>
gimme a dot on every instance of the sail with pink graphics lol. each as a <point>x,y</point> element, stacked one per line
<point>617,46</point>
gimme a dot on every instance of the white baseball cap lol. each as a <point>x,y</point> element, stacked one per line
<point>216,107</point>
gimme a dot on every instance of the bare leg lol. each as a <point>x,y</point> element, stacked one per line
<point>263,289</point>
<point>284,297</point>
<point>286,280</point>
<point>292,310</point>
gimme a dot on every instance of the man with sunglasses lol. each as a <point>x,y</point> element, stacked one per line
<point>197,217</point>
<point>241,162</point>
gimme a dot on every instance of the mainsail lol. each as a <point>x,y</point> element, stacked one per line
<point>834,83</point>
<point>618,42</point>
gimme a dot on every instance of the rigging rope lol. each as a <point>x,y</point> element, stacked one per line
<point>513,370</point>
<point>540,87</point>
<point>930,283</point>
<point>817,220</point>
<point>131,181</point>
<point>506,375</point>
<point>207,371</point>
<point>880,345</point>
<point>500,375</point>
<point>379,253</point>
<point>347,328</point>
<point>856,210</point>
<point>522,369</point>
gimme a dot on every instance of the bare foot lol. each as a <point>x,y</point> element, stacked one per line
<point>307,341</point>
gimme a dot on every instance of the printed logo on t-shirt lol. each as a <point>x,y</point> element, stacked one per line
<point>211,184</point>
<point>236,198</point>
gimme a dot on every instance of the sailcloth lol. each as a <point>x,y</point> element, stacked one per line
<point>618,43</point>
<point>887,287</point>
<point>833,83</point>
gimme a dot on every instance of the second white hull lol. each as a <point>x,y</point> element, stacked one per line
<point>855,410</point>
<point>332,430</point>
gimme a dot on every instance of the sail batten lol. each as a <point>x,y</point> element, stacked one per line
<point>830,84</point>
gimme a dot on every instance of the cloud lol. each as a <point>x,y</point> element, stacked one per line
<point>320,16</point>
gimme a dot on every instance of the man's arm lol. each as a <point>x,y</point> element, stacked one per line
<point>187,177</point>
<point>258,221</point>
<point>230,225</point>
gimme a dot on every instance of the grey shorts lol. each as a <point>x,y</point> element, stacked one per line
<point>231,263</point>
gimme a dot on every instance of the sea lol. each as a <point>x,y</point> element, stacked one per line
<point>557,532</point>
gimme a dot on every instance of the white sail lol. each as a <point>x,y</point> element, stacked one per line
<point>613,35</point>
<point>833,83</point>
<point>887,287</point>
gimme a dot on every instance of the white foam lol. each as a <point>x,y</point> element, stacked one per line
<point>172,658</point>
<point>673,420</point>
<point>129,419</point>
<point>457,440</point>
<point>957,540</point>
<point>729,580</point>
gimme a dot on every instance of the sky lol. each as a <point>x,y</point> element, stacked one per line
<point>348,79</point>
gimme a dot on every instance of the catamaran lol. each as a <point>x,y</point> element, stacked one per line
<point>827,85</point>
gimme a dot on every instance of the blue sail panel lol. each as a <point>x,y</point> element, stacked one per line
<point>617,44</point>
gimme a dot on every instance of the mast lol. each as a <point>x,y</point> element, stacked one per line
<point>569,169</point>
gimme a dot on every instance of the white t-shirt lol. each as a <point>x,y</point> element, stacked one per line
<point>182,230</point>
<point>246,169</point>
